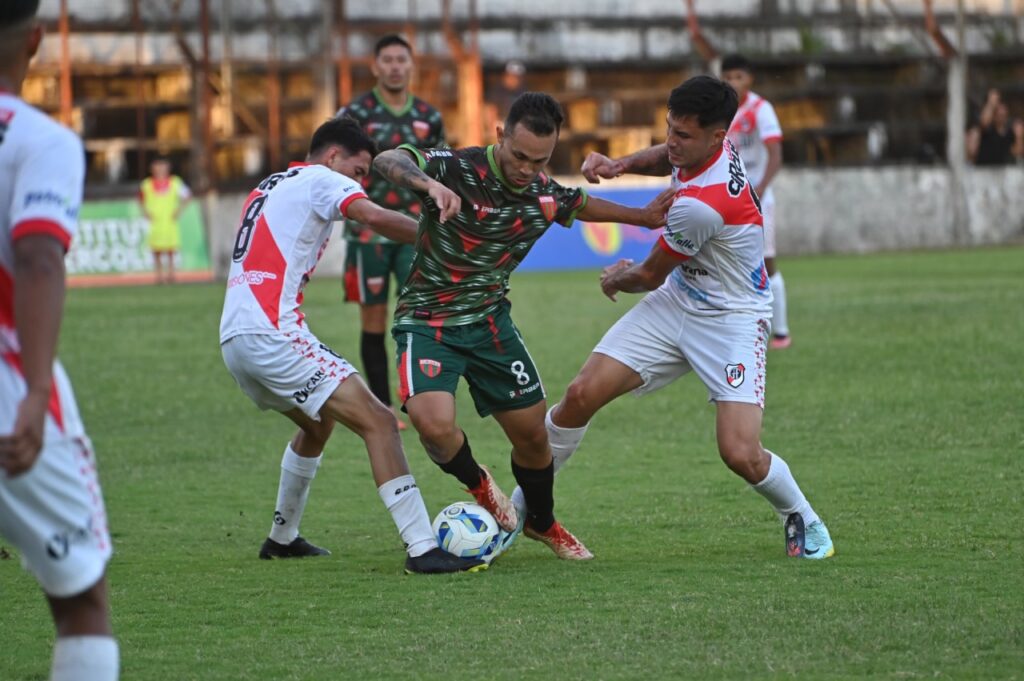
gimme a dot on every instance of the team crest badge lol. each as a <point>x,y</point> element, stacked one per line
<point>421,128</point>
<point>734,374</point>
<point>431,368</point>
<point>547,206</point>
<point>375,284</point>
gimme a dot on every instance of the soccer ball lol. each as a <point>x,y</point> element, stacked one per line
<point>466,530</point>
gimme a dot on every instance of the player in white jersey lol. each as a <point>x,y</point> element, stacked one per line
<point>51,506</point>
<point>708,309</point>
<point>281,365</point>
<point>756,132</point>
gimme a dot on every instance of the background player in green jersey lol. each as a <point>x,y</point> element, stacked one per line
<point>391,115</point>
<point>452,317</point>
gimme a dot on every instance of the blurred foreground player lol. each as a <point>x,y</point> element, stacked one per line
<point>708,309</point>
<point>51,506</point>
<point>281,365</point>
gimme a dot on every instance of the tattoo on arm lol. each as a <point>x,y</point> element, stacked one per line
<point>398,167</point>
<point>650,161</point>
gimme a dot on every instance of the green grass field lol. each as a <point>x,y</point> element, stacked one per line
<point>900,408</point>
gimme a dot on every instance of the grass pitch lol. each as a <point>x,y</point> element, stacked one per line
<point>900,408</point>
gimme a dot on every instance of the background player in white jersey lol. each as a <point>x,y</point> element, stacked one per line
<point>281,365</point>
<point>51,506</point>
<point>707,313</point>
<point>755,130</point>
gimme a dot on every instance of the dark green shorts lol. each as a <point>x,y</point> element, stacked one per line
<point>490,355</point>
<point>368,270</point>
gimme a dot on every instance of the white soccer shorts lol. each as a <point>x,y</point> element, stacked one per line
<point>54,513</point>
<point>661,342</point>
<point>768,214</point>
<point>286,370</point>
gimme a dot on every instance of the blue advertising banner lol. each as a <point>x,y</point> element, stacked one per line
<point>588,245</point>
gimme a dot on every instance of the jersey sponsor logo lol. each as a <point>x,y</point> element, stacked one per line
<point>734,374</point>
<point>316,379</point>
<point>253,278</point>
<point>59,545</point>
<point>437,153</point>
<point>53,199</point>
<point>404,488</point>
<point>431,368</point>
<point>524,391</point>
<point>737,179</point>
<point>421,128</point>
<point>759,278</point>
<point>547,206</point>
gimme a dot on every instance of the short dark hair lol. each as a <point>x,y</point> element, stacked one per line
<point>388,41</point>
<point>712,101</point>
<point>13,12</point>
<point>736,62</point>
<point>345,132</point>
<point>539,113</point>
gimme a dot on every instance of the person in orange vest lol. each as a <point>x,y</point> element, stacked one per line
<point>163,197</point>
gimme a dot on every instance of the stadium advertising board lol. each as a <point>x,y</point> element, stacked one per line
<point>590,245</point>
<point>112,235</point>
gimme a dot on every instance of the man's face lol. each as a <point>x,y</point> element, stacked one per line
<point>1002,115</point>
<point>522,155</point>
<point>689,145</point>
<point>354,166</point>
<point>393,68</point>
<point>740,79</point>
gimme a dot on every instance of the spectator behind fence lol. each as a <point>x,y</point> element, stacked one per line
<point>163,197</point>
<point>996,139</point>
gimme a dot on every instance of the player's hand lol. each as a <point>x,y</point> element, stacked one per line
<point>1018,128</point>
<point>595,166</point>
<point>656,212</point>
<point>608,277</point>
<point>20,449</point>
<point>448,202</point>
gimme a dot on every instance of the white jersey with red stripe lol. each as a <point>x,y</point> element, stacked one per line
<point>286,223</point>
<point>753,127</point>
<point>42,169</point>
<point>715,227</point>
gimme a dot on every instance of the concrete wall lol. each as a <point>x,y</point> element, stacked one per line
<point>854,210</point>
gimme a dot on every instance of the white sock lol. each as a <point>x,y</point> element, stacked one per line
<point>780,322</point>
<point>402,498</point>
<point>564,443</point>
<point>782,492</point>
<point>296,474</point>
<point>85,658</point>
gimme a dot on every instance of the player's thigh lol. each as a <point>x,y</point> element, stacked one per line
<point>286,371</point>
<point>728,353</point>
<point>502,375</point>
<point>600,380</point>
<point>426,362</point>
<point>401,262</point>
<point>353,405</point>
<point>645,340</point>
<point>367,270</point>
<point>54,515</point>
<point>738,429</point>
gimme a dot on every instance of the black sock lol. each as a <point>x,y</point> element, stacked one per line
<point>538,488</point>
<point>463,466</point>
<point>375,365</point>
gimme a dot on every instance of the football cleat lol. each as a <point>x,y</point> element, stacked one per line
<point>794,529</point>
<point>506,538</point>
<point>561,541</point>
<point>817,542</point>
<point>438,561</point>
<point>780,342</point>
<point>490,496</point>
<point>299,548</point>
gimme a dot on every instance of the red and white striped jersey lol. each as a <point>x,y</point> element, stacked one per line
<point>753,127</point>
<point>286,223</point>
<point>715,227</point>
<point>42,168</point>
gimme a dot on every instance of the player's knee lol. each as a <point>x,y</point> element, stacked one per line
<point>317,433</point>
<point>380,418</point>
<point>743,458</point>
<point>436,434</point>
<point>577,401</point>
<point>533,443</point>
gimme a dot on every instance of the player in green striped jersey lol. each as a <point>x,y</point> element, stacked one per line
<point>453,319</point>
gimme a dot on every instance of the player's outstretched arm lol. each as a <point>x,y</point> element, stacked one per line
<point>38,307</point>
<point>652,161</point>
<point>626,277</point>
<point>399,167</point>
<point>652,215</point>
<point>388,223</point>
